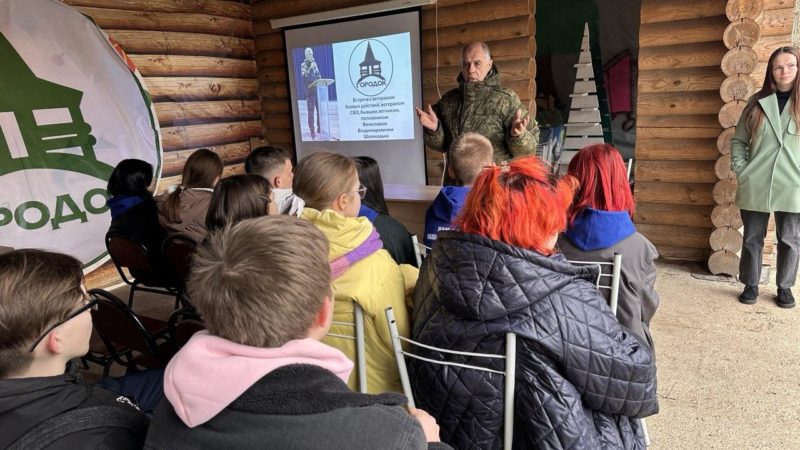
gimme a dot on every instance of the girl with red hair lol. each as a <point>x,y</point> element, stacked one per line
<point>498,273</point>
<point>600,225</point>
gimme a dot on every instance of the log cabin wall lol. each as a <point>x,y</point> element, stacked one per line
<point>680,53</point>
<point>507,26</point>
<point>197,59</point>
<point>756,29</point>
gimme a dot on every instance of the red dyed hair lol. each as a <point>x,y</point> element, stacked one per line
<point>519,204</point>
<point>603,181</point>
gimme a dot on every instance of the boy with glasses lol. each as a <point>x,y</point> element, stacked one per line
<point>45,323</point>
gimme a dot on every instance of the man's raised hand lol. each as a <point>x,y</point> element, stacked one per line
<point>427,118</point>
<point>519,124</point>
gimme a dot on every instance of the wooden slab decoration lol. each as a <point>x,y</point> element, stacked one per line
<point>726,216</point>
<point>723,262</point>
<point>723,167</point>
<point>743,9</point>
<point>744,32</point>
<point>724,140</point>
<point>726,238</point>
<point>737,87</point>
<point>725,191</point>
<point>739,60</point>
<point>730,113</point>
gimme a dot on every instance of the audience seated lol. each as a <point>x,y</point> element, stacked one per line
<point>275,164</point>
<point>259,377</point>
<point>133,210</point>
<point>470,153</point>
<point>239,197</point>
<point>184,209</point>
<point>581,376</point>
<point>599,225</point>
<point>44,323</point>
<point>394,235</point>
<point>362,270</point>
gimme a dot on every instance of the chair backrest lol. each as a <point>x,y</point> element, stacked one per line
<point>127,254</point>
<point>183,324</point>
<point>608,277</point>
<point>358,337</point>
<point>420,250</point>
<point>119,327</point>
<point>178,250</point>
<point>509,371</point>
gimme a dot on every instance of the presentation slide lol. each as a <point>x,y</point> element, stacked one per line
<point>353,88</point>
<point>371,89</point>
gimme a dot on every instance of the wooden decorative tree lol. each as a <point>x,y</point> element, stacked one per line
<point>585,124</point>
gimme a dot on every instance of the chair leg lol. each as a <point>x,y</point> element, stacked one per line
<point>130,296</point>
<point>107,368</point>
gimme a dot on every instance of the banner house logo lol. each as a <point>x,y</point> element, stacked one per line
<point>71,108</point>
<point>371,67</point>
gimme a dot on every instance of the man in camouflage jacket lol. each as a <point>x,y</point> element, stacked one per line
<point>481,105</point>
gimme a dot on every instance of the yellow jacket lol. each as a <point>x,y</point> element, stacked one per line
<point>375,282</point>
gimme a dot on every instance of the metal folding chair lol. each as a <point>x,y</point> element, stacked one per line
<point>420,250</point>
<point>611,279</point>
<point>358,337</point>
<point>613,286</point>
<point>509,371</point>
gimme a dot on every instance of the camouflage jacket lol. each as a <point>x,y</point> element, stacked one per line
<point>487,108</point>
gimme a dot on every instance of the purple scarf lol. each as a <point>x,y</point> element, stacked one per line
<point>340,265</point>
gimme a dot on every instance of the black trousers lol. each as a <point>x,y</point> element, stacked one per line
<point>312,104</point>
<point>787,229</point>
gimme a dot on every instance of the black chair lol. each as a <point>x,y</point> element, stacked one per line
<point>142,275</point>
<point>131,340</point>
<point>178,250</point>
<point>182,325</point>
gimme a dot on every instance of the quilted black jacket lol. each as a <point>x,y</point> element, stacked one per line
<point>580,375</point>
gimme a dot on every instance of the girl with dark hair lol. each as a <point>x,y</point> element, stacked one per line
<point>394,235</point>
<point>133,211</point>
<point>184,209</point>
<point>239,197</point>
<point>599,225</point>
<point>581,377</point>
<point>765,155</point>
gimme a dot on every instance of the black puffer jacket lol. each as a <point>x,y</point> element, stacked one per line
<point>580,375</point>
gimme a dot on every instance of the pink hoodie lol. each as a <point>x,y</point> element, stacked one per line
<point>209,372</point>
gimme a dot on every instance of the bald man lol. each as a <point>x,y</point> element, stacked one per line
<point>310,73</point>
<point>480,104</point>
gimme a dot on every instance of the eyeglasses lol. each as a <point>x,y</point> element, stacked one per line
<point>362,191</point>
<point>87,305</point>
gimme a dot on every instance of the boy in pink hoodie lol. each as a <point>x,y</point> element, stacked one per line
<point>260,377</point>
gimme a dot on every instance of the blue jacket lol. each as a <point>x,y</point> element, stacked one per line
<point>443,211</point>
<point>594,229</point>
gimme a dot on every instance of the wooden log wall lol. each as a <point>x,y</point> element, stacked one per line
<point>676,139</point>
<point>507,26</point>
<point>197,59</point>
<point>755,29</point>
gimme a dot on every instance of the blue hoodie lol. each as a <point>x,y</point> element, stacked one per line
<point>443,211</point>
<point>594,229</point>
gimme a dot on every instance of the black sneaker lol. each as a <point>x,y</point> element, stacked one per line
<point>749,295</point>
<point>785,299</point>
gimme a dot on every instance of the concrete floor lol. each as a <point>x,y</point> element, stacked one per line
<point>727,372</point>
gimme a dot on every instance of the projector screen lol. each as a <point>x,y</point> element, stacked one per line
<point>353,87</point>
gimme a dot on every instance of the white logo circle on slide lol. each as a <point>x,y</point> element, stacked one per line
<point>371,67</point>
<point>75,108</point>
